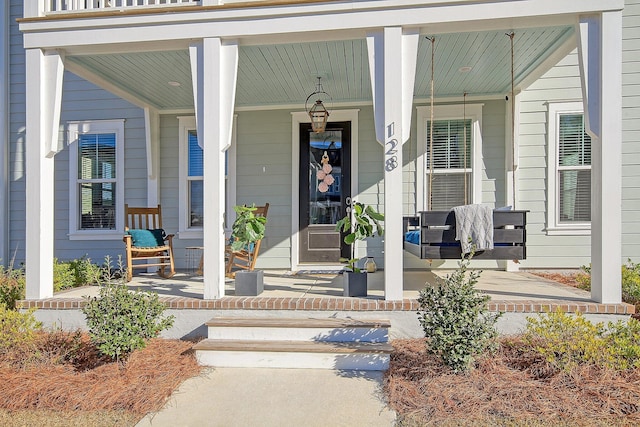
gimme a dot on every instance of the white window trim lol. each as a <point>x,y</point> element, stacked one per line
<point>554,228</point>
<point>472,112</point>
<point>75,128</point>
<point>186,124</point>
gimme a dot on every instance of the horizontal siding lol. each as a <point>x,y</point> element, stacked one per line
<point>631,131</point>
<point>561,83</point>
<point>79,103</point>
<point>16,188</point>
<point>263,174</point>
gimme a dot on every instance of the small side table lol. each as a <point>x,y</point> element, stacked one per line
<point>194,258</point>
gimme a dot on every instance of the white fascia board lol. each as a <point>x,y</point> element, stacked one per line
<point>312,21</point>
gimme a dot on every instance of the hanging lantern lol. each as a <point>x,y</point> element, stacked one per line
<point>318,113</point>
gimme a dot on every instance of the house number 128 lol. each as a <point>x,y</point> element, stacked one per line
<point>391,160</point>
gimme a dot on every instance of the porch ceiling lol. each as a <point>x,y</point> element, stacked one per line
<point>285,74</point>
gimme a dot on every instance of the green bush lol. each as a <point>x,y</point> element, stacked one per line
<point>63,277</point>
<point>566,341</point>
<point>455,319</point>
<point>75,273</point>
<point>121,321</point>
<point>630,282</point>
<point>17,329</point>
<point>85,272</point>
<point>12,286</point>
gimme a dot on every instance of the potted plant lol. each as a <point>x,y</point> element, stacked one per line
<point>360,223</point>
<point>247,230</point>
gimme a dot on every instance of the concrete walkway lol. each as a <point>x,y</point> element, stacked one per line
<point>233,397</point>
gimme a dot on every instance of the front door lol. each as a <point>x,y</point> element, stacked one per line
<point>325,189</point>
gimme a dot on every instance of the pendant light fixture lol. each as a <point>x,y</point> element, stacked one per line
<point>318,113</point>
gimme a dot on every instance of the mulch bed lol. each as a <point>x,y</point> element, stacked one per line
<point>512,387</point>
<point>90,383</point>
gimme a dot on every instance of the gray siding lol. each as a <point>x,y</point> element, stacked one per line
<point>82,100</point>
<point>561,83</point>
<point>16,187</point>
<point>631,131</point>
<point>263,174</point>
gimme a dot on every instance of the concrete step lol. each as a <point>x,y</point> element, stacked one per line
<point>303,329</point>
<point>294,354</point>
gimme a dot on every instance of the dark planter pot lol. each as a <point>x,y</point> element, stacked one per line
<point>249,283</point>
<point>355,284</point>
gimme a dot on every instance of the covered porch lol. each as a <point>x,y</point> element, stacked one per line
<point>235,60</point>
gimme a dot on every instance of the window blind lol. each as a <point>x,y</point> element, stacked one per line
<point>574,169</point>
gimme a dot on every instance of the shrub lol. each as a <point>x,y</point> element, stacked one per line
<point>85,272</point>
<point>630,282</point>
<point>455,319</point>
<point>566,341</point>
<point>12,286</point>
<point>17,329</point>
<point>75,273</point>
<point>121,321</point>
<point>63,277</point>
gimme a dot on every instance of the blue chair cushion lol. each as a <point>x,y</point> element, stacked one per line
<point>248,248</point>
<point>142,238</point>
<point>412,237</point>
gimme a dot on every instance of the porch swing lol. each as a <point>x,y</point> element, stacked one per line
<point>437,234</point>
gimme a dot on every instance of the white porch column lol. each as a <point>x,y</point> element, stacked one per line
<point>214,67</point>
<point>152,139</point>
<point>600,52</point>
<point>33,8</point>
<point>44,72</point>
<point>392,62</point>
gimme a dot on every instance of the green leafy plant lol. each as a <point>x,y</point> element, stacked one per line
<point>75,273</point>
<point>630,282</point>
<point>247,229</point>
<point>12,286</point>
<point>63,277</point>
<point>567,340</point>
<point>455,319</point>
<point>359,224</point>
<point>17,329</point>
<point>121,321</point>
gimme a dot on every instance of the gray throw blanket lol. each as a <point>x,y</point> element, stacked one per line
<point>474,227</point>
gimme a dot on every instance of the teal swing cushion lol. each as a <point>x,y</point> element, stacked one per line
<point>142,238</point>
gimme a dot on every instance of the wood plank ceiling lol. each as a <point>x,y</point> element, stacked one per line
<point>271,75</point>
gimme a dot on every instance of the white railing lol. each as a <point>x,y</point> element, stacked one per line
<point>97,5</point>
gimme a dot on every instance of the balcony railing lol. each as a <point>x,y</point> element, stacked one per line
<point>100,5</point>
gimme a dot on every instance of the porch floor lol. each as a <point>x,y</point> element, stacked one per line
<point>286,290</point>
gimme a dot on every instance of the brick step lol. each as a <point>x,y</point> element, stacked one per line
<point>303,329</point>
<point>294,354</point>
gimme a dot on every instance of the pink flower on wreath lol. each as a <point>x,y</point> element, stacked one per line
<point>323,187</point>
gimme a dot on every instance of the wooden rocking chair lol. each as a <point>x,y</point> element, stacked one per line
<point>240,259</point>
<point>146,241</point>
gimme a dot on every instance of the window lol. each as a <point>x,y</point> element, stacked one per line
<point>456,142</point>
<point>191,180</point>
<point>569,170</point>
<point>96,199</point>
